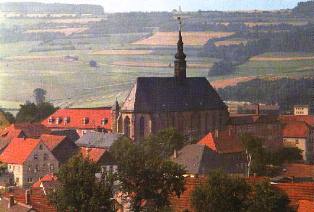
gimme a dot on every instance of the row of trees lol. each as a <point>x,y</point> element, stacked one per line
<point>286,92</point>
<point>225,193</point>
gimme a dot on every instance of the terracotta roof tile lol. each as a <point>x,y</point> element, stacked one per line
<point>94,154</point>
<point>94,117</point>
<point>297,191</point>
<point>298,170</point>
<point>295,129</point>
<point>305,206</point>
<point>47,178</point>
<point>39,201</point>
<point>225,142</point>
<point>18,150</point>
<point>52,141</point>
<point>307,119</point>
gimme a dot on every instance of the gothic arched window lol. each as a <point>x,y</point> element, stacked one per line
<point>126,126</point>
<point>142,127</point>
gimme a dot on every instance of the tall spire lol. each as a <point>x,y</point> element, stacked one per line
<point>179,62</point>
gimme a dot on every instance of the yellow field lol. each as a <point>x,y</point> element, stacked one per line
<point>263,58</point>
<point>75,20</point>
<point>230,82</point>
<point>65,31</point>
<point>190,38</point>
<point>156,64</point>
<point>122,52</point>
<point>229,42</point>
<point>294,23</point>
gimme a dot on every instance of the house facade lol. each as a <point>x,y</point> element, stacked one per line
<point>189,104</point>
<point>28,160</point>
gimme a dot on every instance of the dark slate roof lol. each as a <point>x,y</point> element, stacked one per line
<point>198,159</point>
<point>158,94</point>
<point>98,139</point>
<point>71,134</point>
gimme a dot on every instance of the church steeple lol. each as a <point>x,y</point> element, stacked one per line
<point>179,62</point>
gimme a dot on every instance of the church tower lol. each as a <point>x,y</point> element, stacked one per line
<point>179,62</point>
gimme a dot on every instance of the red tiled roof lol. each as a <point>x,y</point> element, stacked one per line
<point>297,191</point>
<point>183,203</point>
<point>94,154</point>
<point>305,206</point>
<point>295,129</point>
<point>298,170</point>
<point>18,150</point>
<point>75,118</point>
<point>52,141</point>
<point>47,178</point>
<point>307,119</point>
<point>226,142</point>
<point>39,201</point>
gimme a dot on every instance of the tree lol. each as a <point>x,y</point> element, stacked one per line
<point>221,193</point>
<point>39,95</point>
<point>266,198</point>
<point>223,67</point>
<point>80,189</point>
<point>255,154</point>
<point>92,63</point>
<point>145,174</point>
<point>166,141</point>
<point>30,112</point>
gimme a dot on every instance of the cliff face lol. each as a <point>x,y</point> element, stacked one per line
<point>31,7</point>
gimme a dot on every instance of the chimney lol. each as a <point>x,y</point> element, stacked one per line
<point>11,201</point>
<point>258,109</point>
<point>216,133</point>
<point>175,153</point>
<point>27,197</point>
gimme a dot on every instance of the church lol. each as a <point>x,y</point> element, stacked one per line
<point>189,104</point>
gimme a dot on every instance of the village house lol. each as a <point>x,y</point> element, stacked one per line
<point>230,149</point>
<point>82,120</point>
<point>96,145</point>
<point>301,135</point>
<point>189,104</point>
<point>266,127</point>
<point>28,160</point>
<point>21,130</point>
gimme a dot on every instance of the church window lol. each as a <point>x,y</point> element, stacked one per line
<point>142,127</point>
<point>126,125</point>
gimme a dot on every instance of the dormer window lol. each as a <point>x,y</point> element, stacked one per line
<point>67,120</point>
<point>50,120</point>
<point>104,121</point>
<point>58,120</point>
<point>85,120</point>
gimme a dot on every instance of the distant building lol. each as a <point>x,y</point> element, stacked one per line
<point>235,107</point>
<point>81,119</point>
<point>301,110</point>
<point>266,127</point>
<point>23,130</point>
<point>28,160</point>
<point>96,145</point>
<point>189,104</point>
<point>230,149</point>
<point>301,135</point>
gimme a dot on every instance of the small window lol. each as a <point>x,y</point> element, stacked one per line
<point>35,156</point>
<point>41,147</point>
<point>50,120</point>
<point>30,180</point>
<point>58,120</point>
<point>36,169</point>
<point>52,167</point>
<point>85,120</point>
<point>104,121</point>
<point>296,141</point>
<point>17,180</point>
<point>45,156</point>
<point>67,120</point>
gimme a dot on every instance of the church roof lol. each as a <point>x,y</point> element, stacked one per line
<point>158,94</point>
